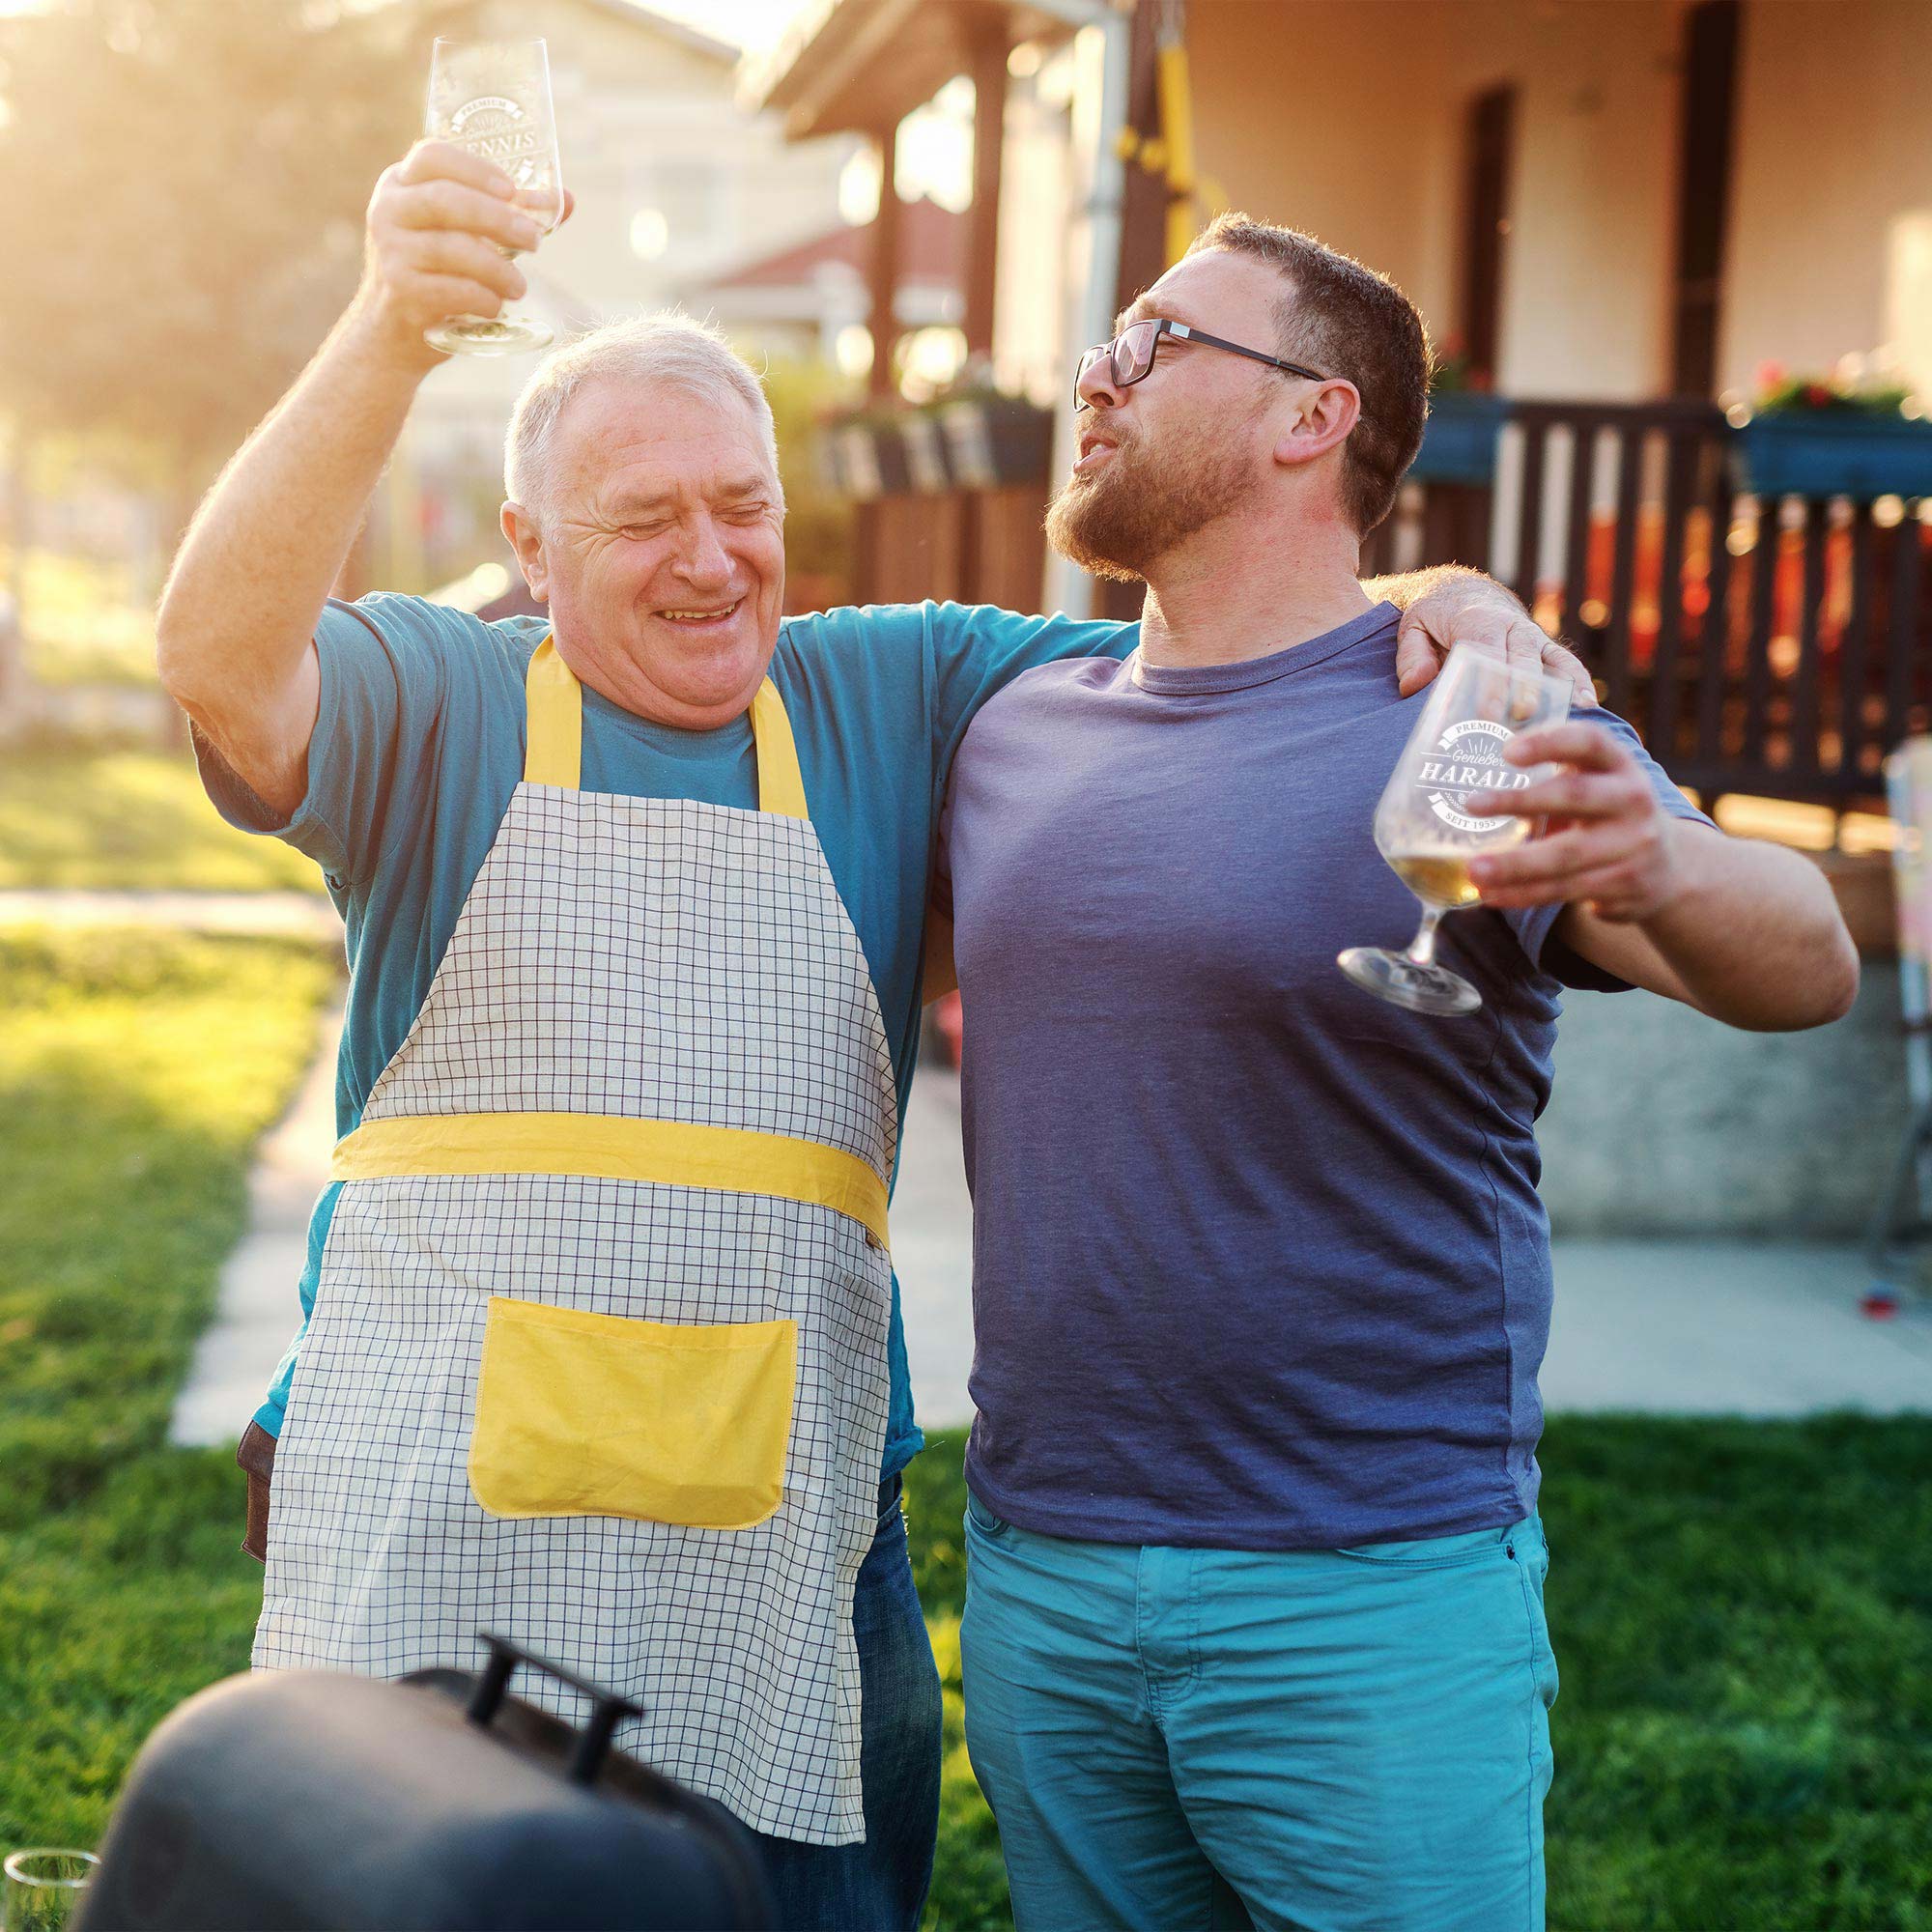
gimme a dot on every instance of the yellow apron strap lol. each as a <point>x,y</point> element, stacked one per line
<point>555,752</point>
<point>781,786</point>
<point>676,1154</point>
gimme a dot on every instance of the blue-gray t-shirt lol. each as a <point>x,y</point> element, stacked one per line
<point>1259,1261</point>
<point>419,743</point>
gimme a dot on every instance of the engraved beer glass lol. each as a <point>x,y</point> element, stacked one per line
<point>1424,830</point>
<point>493,98</point>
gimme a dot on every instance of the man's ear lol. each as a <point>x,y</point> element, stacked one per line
<point>526,540</point>
<point>1320,422</point>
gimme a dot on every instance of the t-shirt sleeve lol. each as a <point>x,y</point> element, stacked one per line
<point>385,665</point>
<point>977,650</point>
<point>1533,925</point>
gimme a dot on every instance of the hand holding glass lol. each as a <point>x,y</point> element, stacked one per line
<point>493,98</point>
<point>1475,707</point>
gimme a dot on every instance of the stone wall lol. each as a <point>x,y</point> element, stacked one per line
<point>1663,1122</point>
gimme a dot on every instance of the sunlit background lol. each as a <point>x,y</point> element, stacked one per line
<point>1677,259</point>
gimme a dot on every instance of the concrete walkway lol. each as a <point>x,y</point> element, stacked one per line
<point>258,1311</point>
<point>293,915</point>
<point>1668,1328</point>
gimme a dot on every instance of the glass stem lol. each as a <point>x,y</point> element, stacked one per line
<point>1422,948</point>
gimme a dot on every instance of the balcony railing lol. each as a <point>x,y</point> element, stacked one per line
<point>1780,646</point>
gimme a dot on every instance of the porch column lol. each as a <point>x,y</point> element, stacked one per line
<point>882,280</point>
<point>883,264</point>
<point>1144,205</point>
<point>986,41</point>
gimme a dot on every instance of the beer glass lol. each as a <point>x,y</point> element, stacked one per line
<point>1423,829</point>
<point>44,1890</point>
<point>493,98</point>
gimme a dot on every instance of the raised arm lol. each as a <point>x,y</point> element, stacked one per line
<point>236,625</point>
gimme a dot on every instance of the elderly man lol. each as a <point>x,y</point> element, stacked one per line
<point>600,1344</point>
<point>1254,1628</point>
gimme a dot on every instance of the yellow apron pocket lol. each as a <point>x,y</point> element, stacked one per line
<point>583,1414</point>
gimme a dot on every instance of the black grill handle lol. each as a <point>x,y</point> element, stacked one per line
<point>606,1709</point>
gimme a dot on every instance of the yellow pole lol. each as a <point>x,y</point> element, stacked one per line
<point>1176,127</point>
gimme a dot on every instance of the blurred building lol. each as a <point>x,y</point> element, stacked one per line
<point>676,183</point>
<point>808,301</point>
<point>1612,216</point>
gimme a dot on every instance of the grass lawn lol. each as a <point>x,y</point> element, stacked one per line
<point>1743,1613</point>
<point>138,1070</point>
<point>116,820</point>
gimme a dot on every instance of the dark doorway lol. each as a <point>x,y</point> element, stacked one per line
<point>1490,141</point>
<point>1703,192</point>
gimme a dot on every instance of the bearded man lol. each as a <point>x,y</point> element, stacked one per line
<point>1254,1629</point>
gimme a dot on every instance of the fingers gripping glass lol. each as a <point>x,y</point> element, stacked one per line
<point>1130,354</point>
<point>493,98</point>
<point>1424,830</point>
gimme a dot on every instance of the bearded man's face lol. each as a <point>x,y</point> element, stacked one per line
<point>1162,458</point>
<point>1144,484</point>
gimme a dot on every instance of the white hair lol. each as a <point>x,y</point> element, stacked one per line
<point>669,348</point>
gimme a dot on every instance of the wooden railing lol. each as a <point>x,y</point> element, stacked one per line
<point>1771,646</point>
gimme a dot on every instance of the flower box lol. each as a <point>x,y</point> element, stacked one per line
<point>1834,453</point>
<point>995,440</point>
<point>926,468</point>
<point>867,459</point>
<point>1459,444</point>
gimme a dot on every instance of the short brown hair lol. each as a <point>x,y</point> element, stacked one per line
<point>1345,319</point>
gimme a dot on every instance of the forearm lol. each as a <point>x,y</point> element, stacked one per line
<point>1752,936</point>
<point>249,585</point>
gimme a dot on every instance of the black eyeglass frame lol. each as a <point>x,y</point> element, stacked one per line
<point>1165,326</point>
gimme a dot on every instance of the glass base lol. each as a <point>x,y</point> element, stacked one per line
<point>1398,979</point>
<point>484,335</point>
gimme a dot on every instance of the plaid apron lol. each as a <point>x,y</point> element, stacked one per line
<point>598,1351</point>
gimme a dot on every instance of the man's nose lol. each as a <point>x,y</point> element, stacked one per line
<point>1096,387</point>
<point>704,562</point>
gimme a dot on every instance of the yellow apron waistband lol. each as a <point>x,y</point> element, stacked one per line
<point>610,1146</point>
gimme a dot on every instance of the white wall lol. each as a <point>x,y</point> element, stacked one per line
<point>1346,120</point>
<point>1830,243</point>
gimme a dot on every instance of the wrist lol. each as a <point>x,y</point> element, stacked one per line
<point>385,343</point>
<point>1680,888</point>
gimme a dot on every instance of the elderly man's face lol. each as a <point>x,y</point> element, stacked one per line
<point>664,549</point>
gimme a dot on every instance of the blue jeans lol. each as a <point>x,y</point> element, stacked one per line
<point>879,1885</point>
<point>1314,1741</point>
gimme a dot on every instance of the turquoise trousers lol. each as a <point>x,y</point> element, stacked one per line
<point>1330,1741</point>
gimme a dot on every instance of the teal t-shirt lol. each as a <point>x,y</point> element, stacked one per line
<point>419,743</point>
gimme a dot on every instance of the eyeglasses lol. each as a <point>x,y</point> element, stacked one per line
<point>1131,355</point>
